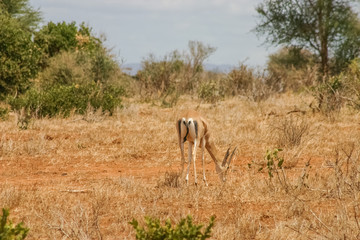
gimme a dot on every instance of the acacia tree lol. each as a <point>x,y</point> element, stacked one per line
<point>27,17</point>
<point>321,26</point>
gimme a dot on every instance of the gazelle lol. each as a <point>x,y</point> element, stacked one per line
<point>192,127</point>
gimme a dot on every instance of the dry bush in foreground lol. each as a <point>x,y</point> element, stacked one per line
<point>290,131</point>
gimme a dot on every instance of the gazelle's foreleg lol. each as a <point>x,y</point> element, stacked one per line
<point>189,164</point>
<point>202,159</point>
<point>194,159</point>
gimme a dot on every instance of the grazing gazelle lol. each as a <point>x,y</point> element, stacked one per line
<point>192,127</point>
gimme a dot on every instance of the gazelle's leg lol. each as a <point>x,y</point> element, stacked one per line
<point>189,164</point>
<point>194,160</point>
<point>203,160</point>
<point>181,143</point>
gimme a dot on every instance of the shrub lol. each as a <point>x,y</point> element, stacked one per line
<point>158,76</point>
<point>290,131</point>
<point>4,113</point>
<point>185,229</point>
<point>54,38</point>
<point>63,99</point>
<point>209,92</point>
<point>329,96</point>
<point>339,90</point>
<point>81,67</point>
<point>247,82</point>
<point>65,69</point>
<point>292,68</point>
<point>182,72</point>
<point>239,80</point>
<point>19,57</point>
<point>8,231</point>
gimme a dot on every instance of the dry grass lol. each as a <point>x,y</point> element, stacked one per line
<point>87,178</point>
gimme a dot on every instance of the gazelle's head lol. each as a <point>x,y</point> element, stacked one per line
<point>223,169</point>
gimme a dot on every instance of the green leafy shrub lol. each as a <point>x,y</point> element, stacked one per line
<point>63,99</point>
<point>10,232</point>
<point>185,229</point>
<point>19,57</point>
<point>273,161</point>
<point>54,38</point>
<point>4,113</point>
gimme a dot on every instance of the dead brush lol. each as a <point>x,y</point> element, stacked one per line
<point>290,131</point>
<point>341,186</point>
<point>171,179</point>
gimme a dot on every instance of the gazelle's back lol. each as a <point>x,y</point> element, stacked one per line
<point>191,126</point>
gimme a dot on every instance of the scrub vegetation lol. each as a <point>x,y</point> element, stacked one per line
<point>90,152</point>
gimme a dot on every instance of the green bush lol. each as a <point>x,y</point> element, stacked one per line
<point>185,229</point>
<point>10,232</point>
<point>81,67</point>
<point>4,113</point>
<point>19,57</point>
<point>62,100</point>
<point>54,38</point>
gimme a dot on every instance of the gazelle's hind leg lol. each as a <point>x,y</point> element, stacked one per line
<point>189,164</point>
<point>181,143</point>
<point>203,160</point>
<point>182,132</point>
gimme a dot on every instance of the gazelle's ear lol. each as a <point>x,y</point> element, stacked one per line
<point>225,158</point>
<point>231,157</point>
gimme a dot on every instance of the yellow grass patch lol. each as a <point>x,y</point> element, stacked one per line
<point>86,178</point>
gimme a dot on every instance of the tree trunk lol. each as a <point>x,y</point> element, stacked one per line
<point>323,15</point>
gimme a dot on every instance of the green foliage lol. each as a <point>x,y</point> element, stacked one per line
<point>54,38</point>
<point>322,26</point>
<point>103,65</point>
<point>25,15</point>
<point>185,229</point>
<point>273,161</point>
<point>4,113</point>
<point>291,57</point>
<point>63,99</point>
<point>10,232</point>
<point>19,57</point>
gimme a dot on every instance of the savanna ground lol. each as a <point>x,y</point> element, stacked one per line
<point>87,177</point>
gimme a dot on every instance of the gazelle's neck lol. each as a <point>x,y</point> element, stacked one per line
<point>211,148</point>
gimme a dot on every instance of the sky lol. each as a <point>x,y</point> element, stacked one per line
<point>136,28</point>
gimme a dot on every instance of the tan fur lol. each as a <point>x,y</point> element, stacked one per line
<point>203,138</point>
